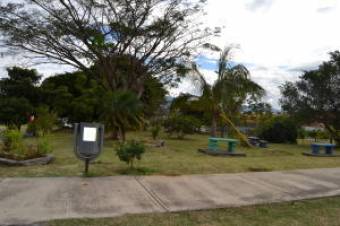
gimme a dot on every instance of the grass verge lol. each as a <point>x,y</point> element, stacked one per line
<point>319,212</point>
<point>176,158</point>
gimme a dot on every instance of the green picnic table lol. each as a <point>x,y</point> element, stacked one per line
<point>213,143</point>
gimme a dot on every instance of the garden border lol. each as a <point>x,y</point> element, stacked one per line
<point>29,162</point>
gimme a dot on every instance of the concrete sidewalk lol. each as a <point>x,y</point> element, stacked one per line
<point>28,200</point>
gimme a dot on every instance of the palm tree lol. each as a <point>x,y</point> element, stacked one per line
<point>122,109</point>
<point>225,97</point>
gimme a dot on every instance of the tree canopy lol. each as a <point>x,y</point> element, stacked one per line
<point>315,97</point>
<point>19,94</point>
<point>124,40</point>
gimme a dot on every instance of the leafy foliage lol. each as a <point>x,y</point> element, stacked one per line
<point>44,146</point>
<point>315,97</point>
<point>12,140</point>
<point>130,151</point>
<point>121,110</point>
<point>14,111</point>
<point>279,129</point>
<point>43,123</point>
<point>14,146</point>
<point>19,94</point>
<point>180,125</point>
<point>75,96</point>
<point>231,89</point>
<point>79,97</point>
<point>135,38</point>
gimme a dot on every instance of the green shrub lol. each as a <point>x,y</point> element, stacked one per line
<point>318,134</point>
<point>302,134</point>
<point>44,146</point>
<point>15,148</point>
<point>12,140</point>
<point>278,129</point>
<point>44,122</point>
<point>181,125</point>
<point>33,129</point>
<point>130,151</point>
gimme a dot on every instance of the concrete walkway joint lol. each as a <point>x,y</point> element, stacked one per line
<point>29,200</point>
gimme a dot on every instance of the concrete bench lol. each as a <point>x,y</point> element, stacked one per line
<point>328,150</point>
<point>257,142</point>
<point>213,143</point>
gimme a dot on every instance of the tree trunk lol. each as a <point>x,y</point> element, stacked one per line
<point>122,133</point>
<point>335,134</point>
<point>114,134</point>
<point>213,131</point>
<point>242,137</point>
<point>223,131</point>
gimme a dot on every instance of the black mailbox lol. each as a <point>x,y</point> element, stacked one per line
<point>89,139</point>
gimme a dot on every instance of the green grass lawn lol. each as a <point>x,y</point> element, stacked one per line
<point>319,212</point>
<point>176,158</point>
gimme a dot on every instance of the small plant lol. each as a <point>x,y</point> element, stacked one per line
<point>130,151</point>
<point>12,140</point>
<point>44,146</point>
<point>15,148</point>
<point>155,130</point>
<point>44,122</point>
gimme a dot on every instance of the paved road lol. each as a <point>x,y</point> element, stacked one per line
<point>28,200</point>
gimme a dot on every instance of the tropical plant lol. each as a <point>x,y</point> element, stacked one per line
<point>121,110</point>
<point>224,99</point>
<point>130,151</point>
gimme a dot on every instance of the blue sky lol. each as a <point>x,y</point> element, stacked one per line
<point>275,39</point>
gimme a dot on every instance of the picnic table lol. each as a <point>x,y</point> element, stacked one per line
<point>328,148</point>
<point>213,143</point>
<point>255,141</point>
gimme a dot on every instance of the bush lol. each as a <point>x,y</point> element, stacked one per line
<point>14,147</point>
<point>130,151</point>
<point>318,134</point>
<point>302,134</point>
<point>44,122</point>
<point>181,125</point>
<point>278,129</point>
<point>12,140</point>
<point>44,146</point>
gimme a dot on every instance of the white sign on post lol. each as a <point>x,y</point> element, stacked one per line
<point>90,134</point>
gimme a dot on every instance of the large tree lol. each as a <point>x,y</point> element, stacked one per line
<point>316,96</point>
<point>19,94</point>
<point>75,96</point>
<point>79,97</point>
<point>125,40</point>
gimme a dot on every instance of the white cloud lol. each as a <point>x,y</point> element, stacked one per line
<point>282,36</point>
<point>44,69</point>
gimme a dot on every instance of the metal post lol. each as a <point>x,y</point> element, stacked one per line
<point>87,162</point>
